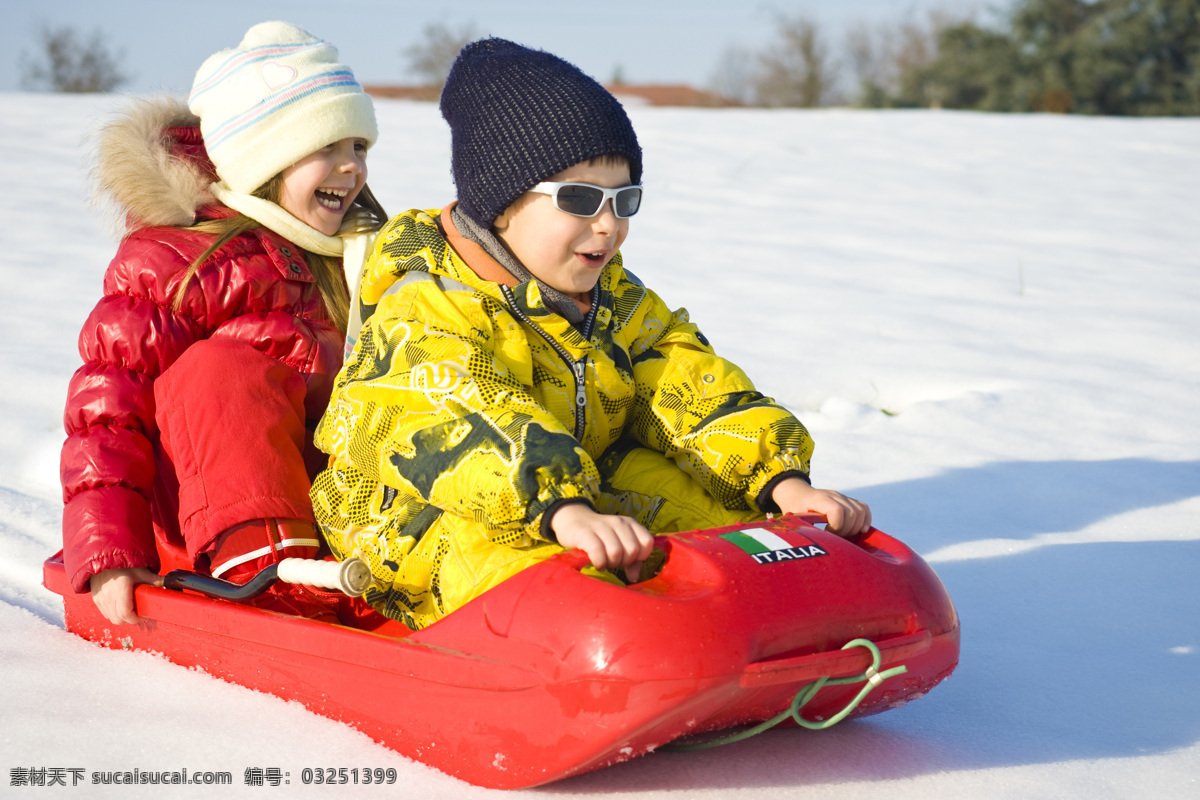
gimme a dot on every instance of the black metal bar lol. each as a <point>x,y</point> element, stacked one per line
<point>215,587</point>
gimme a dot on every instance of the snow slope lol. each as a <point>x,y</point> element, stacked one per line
<point>988,322</point>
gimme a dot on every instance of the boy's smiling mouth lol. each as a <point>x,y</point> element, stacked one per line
<point>597,258</point>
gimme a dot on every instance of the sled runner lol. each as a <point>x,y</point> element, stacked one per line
<point>553,673</point>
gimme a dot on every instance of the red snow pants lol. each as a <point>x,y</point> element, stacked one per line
<point>232,424</point>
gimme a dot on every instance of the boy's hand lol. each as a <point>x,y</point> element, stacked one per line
<point>112,592</point>
<point>608,540</point>
<point>845,516</point>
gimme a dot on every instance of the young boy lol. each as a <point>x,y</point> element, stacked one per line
<point>515,391</point>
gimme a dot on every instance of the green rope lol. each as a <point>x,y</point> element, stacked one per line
<point>872,676</point>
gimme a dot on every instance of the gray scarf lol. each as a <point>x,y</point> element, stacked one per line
<point>555,300</point>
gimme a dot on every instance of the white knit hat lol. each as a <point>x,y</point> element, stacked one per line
<point>277,97</point>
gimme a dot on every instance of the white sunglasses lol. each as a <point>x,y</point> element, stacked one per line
<point>586,200</point>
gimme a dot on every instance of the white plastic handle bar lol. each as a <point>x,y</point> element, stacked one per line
<point>351,577</point>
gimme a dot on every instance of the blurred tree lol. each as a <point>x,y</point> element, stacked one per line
<point>1138,57</point>
<point>869,64</point>
<point>975,68</point>
<point>1087,56</point>
<point>796,70</point>
<point>1084,56</point>
<point>889,61</point>
<point>67,63</point>
<point>433,55</point>
<point>732,78</point>
<point>1047,35</point>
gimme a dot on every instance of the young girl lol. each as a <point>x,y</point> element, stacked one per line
<point>213,350</point>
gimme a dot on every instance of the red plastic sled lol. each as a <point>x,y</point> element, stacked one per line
<point>553,673</point>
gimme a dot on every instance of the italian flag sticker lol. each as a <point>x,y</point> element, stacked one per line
<point>767,547</point>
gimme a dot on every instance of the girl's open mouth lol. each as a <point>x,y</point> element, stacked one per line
<point>333,199</point>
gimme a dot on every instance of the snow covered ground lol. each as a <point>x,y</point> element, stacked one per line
<point>991,324</point>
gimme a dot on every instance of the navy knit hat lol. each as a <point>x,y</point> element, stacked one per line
<point>518,116</point>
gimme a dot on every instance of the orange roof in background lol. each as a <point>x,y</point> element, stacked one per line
<point>428,93</point>
<point>630,94</point>
<point>669,95</point>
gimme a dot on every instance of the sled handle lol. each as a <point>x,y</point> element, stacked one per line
<point>351,577</point>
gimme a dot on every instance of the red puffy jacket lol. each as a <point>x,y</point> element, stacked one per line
<point>256,289</point>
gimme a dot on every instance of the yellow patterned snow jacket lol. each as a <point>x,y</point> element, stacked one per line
<point>467,410</point>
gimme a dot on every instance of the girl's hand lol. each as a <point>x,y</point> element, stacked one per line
<point>608,540</point>
<point>112,592</point>
<point>845,516</point>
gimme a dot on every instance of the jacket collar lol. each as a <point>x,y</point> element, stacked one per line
<point>481,263</point>
<point>474,256</point>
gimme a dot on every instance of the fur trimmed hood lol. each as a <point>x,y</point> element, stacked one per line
<point>151,165</point>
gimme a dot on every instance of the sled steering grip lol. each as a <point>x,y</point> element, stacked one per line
<point>351,577</point>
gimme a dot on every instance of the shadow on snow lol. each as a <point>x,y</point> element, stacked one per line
<point>1021,499</point>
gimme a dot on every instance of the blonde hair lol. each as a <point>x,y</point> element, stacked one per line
<point>366,214</point>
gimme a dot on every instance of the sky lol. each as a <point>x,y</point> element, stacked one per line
<point>647,41</point>
<point>987,322</point>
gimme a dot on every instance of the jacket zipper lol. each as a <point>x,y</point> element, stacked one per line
<point>578,367</point>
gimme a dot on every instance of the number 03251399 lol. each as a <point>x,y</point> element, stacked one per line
<point>339,775</point>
